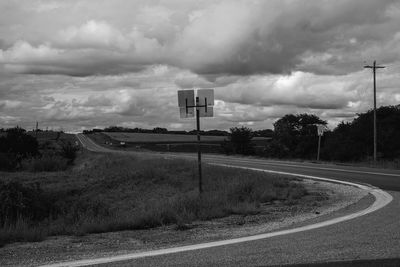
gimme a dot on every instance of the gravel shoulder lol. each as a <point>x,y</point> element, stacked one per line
<point>336,199</point>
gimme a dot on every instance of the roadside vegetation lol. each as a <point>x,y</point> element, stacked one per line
<point>103,193</point>
<point>294,137</point>
<point>36,151</point>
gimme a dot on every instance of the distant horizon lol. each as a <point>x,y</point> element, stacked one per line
<point>47,128</point>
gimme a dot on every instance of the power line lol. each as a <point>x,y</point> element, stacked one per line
<point>374,67</point>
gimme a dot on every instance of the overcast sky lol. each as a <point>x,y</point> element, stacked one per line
<point>89,63</point>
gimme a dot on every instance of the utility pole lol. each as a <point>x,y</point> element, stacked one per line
<point>37,128</point>
<point>374,67</point>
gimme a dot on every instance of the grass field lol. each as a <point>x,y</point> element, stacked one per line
<point>167,138</point>
<point>105,193</point>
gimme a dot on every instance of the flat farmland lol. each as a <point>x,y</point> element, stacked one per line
<point>141,138</point>
<point>162,138</point>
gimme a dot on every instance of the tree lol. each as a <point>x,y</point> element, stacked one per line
<point>296,135</point>
<point>354,140</point>
<point>18,142</point>
<point>263,133</point>
<point>159,130</point>
<point>15,146</point>
<point>342,144</point>
<point>241,140</point>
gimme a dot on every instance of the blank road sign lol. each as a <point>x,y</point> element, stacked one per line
<point>206,94</point>
<point>185,97</point>
<point>209,112</point>
<point>186,113</point>
<point>321,129</point>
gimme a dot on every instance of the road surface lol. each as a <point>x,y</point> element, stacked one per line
<point>374,237</point>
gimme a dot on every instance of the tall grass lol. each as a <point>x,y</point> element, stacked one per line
<point>116,192</point>
<point>21,231</point>
<point>46,163</point>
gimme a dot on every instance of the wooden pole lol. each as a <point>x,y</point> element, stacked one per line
<point>374,67</point>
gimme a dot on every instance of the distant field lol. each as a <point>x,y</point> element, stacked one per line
<point>167,138</point>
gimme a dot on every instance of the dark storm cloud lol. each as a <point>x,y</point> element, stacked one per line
<point>225,37</point>
<point>85,63</point>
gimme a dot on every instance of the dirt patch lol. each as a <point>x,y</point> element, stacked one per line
<point>275,215</point>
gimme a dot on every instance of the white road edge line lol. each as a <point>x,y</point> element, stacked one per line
<point>382,199</point>
<point>273,163</point>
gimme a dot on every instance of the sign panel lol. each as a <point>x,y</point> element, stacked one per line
<point>321,129</point>
<point>185,97</point>
<point>209,112</point>
<point>186,113</point>
<point>206,95</point>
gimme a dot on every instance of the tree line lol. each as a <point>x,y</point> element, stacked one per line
<point>295,136</point>
<point>21,150</point>
<point>159,130</point>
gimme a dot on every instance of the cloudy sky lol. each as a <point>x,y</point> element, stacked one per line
<point>89,63</point>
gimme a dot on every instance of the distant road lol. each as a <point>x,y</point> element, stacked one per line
<point>372,236</point>
<point>383,178</point>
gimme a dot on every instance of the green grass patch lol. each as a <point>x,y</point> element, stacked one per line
<point>105,192</point>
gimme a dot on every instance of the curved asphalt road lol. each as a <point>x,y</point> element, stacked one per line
<point>372,236</point>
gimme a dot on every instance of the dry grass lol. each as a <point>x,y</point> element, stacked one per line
<point>21,230</point>
<point>116,192</point>
<point>46,163</point>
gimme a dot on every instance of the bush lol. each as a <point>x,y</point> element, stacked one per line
<point>68,151</point>
<point>241,140</point>
<point>227,147</point>
<point>276,149</point>
<point>18,142</point>
<point>8,161</point>
<point>20,231</point>
<point>21,202</point>
<point>15,146</point>
<point>46,163</point>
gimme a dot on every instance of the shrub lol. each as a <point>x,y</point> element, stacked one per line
<point>241,140</point>
<point>227,147</point>
<point>18,142</point>
<point>8,161</point>
<point>68,151</point>
<point>46,163</point>
<point>21,230</point>
<point>15,146</point>
<point>23,202</point>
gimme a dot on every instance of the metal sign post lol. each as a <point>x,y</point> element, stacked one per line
<point>320,131</point>
<point>199,145</point>
<point>204,108</point>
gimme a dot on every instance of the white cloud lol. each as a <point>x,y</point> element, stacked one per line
<point>121,62</point>
<point>93,34</point>
<point>23,52</point>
